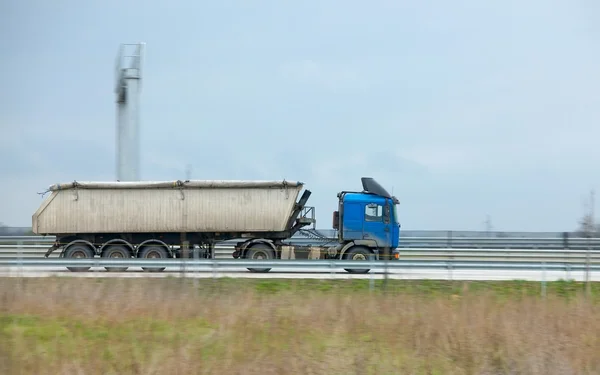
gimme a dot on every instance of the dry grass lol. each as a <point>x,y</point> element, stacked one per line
<point>75,326</point>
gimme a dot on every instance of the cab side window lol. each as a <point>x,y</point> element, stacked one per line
<point>373,212</point>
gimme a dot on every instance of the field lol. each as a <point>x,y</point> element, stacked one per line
<point>241,326</point>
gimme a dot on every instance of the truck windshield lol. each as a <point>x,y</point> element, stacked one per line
<point>395,208</point>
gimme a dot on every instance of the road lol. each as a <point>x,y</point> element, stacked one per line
<point>283,273</point>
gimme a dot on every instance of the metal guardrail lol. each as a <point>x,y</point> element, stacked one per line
<point>298,264</point>
<point>506,255</point>
<point>410,258</point>
<point>31,244</point>
<point>35,247</point>
<point>473,242</point>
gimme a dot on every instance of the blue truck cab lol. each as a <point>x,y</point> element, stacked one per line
<point>367,222</point>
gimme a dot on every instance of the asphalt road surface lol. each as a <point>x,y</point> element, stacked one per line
<point>283,273</point>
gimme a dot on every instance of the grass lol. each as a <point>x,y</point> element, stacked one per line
<point>242,326</point>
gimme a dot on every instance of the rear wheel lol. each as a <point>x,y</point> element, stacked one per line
<point>116,251</point>
<point>260,251</point>
<point>79,251</point>
<point>153,252</point>
<point>357,253</point>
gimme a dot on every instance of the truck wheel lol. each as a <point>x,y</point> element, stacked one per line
<point>357,253</point>
<point>116,251</point>
<point>257,252</point>
<point>78,251</point>
<point>153,252</point>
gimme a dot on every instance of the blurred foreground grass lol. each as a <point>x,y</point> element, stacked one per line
<point>253,326</point>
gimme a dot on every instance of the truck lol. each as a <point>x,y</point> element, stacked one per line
<point>186,219</point>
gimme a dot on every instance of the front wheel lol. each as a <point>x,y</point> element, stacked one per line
<point>260,251</point>
<point>358,253</point>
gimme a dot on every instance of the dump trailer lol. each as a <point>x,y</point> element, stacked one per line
<point>186,219</point>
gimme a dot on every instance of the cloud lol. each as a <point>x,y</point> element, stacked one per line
<point>330,76</point>
<point>465,110</point>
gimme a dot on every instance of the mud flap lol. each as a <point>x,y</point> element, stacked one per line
<point>51,250</point>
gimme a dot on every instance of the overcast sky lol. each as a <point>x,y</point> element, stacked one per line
<point>464,108</point>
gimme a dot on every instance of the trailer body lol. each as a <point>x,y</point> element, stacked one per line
<point>167,207</point>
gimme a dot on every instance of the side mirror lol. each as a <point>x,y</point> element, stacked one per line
<point>336,220</point>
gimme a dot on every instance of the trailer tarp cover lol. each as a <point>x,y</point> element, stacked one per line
<point>178,184</point>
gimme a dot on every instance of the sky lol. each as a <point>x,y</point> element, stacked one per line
<point>463,109</point>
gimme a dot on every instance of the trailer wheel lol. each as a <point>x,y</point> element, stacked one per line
<point>357,253</point>
<point>153,252</point>
<point>259,251</point>
<point>116,251</point>
<point>78,251</point>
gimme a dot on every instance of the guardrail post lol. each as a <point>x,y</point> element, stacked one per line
<point>372,275</point>
<point>449,267</point>
<point>184,250</point>
<point>386,256</point>
<point>331,268</point>
<point>588,286</point>
<point>196,255</point>
<point>544,279</point>
<point>20,256</point>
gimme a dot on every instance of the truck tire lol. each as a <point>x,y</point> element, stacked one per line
<point>357,253</point>
<point>259,251</point>
<point>116,251</point>
<point>153,252</point>
<point>78,251</point>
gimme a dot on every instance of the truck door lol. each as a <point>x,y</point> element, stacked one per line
<point>376,225</point>
<point>388,224</point>
<point>353,221</point>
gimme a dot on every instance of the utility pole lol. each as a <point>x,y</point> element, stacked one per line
<point>128,77</point>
